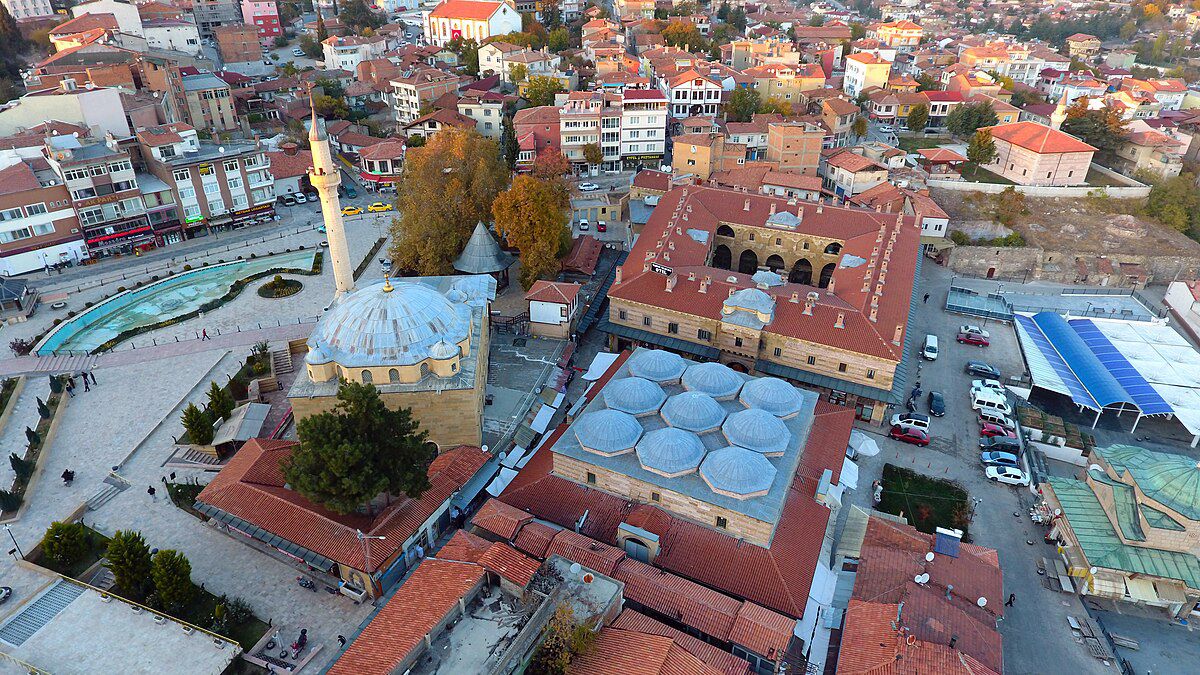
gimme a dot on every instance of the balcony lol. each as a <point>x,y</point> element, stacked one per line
<point>260,178</point>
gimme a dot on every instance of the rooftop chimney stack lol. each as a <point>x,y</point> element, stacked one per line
<point>841,320</point>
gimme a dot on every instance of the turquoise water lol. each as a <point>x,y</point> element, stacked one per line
<point>160,301</point>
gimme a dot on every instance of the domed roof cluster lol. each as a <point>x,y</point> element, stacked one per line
<point>693,411</point>
<point>634,395</point>
<point>657,365</point>
<point>773,395</point>
<point>670,452</point>
<point>737,472</point>
<point>607,432</point>
<point>757,430</point>
<point>715,379</point>
<point>403,326</point>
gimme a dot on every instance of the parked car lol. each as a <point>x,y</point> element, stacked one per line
<point>909,435</point>
<point>974,330</point>
<point>972,339</point>
<point>288,200</point>
<point>997,458</point>
<point>351,193</point>
<point>1007,474</point>
<point>379,207</point>
<point>988,383</point>
<point>602,226</point>
<point>351,211</point>
<point>937,404</point>
<point>584,226</point>
<point>312,195</point>
<point>300,198</point>
<point>886,129</point>
<point>930,351</point>
<point>1002,443</point>
<point>990,417</point>
<point>911,420</point>
<point>588,187</point>
<point>296,51</point>
<point>988,430</point>
<point>982,369</point>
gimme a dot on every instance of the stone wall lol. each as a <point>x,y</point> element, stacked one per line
<point>1031,263</point>
<point>451,417</point>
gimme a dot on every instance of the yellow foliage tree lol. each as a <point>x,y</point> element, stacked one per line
<point>532,216</point>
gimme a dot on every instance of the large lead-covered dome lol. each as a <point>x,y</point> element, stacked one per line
<point>693,411</point>
<point>607,432</point>
<point>757,430</point>
<point>737,472</point>
<point>715,379</point>
<point>657,365</point>
<point>404,326</point>
<point>773,395</point>
<point>670,452</point>
<point>634,395</point>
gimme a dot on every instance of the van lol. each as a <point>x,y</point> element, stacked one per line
<point>984,399</point>
<point>914,420</point>
<point>999,419</point>
<point>930,350</point>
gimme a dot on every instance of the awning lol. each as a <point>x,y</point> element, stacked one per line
<point>826,382</point>
<point>513,457</point>
<point>251,530</point>
<point>468,492</point>
<point>863,444</point>
<point>1110,588</point>
<point>600,364</point>
<point>496,487</point>
<point>245,422</point>
<point>849,478</point>
<point>674,344</point>
<point>1170,592</point>
<point>541,421</point>
<point>1141,589</point>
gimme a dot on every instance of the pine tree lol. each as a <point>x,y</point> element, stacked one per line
<point>198,424</point>
<point>128,558</point>
<point>982,149</point>
<point>172,574</point>
<point>220,403</point>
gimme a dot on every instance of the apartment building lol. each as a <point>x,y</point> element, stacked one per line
<point>785,82</point>
<point>212,13</point>
<point>264,16</point>
<point>104,192</point>
<point>643,127</point>
<point>209,104</point>
<point>241,49</point>
<point>417,86</point>
<point>903,36</point>
<point>346,52</point>
<point>215,185</point>
<point>38,227</point>
<point>865,70</point>
<point>630,128</point>
<point>692,94</point>
<point>795,145</point>
<point>486,110</point>
<point>28,9</point>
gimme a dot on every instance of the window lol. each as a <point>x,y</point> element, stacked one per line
<point>188,192</point>
<point>870,373</point>
<point>75,174</point>
<point>812,360</point>
<point>655,497</point>
<point>91,216</point>
<point>722,522</point>
<point>737,342</point>
<point>841,367</point>
<point>35,209</point>
<point>11,214</point>
<point>45,228</point>
<point>23,233</point>
<point>393,375</point>
<point>702,334</point>
<point>99,170</point>
<point>751,236</point>
<point>216,206</point>
<point>212,188</point>
<point>86,193</point>
<point>366,377</point>
<point>778,351</point>
<point>672,328</point>
<point>240,202</point>
<point>645,321</point>
<point>591,478</point>
<point>778,241</point>
<point>235,183</point>
<point>181,175</point>
<point>622,315</point>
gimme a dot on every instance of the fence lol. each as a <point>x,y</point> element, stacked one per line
<point>157,342</point>
<point>1001,307</point>
<point>1131,190</point>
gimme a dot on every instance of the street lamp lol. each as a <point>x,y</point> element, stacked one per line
<point>8,529</point>
<point>366,547</point>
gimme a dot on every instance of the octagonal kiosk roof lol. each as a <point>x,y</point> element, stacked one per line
<point>737,472</point>
<point>693,411</point>
<point>670,452</point>
<point>607,432</point>
<point>757,430</point>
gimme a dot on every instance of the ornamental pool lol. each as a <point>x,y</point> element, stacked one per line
<point>161,300</point>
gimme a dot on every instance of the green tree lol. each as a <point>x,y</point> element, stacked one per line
<point>468,53</point>
<point>431,230</point>
<point>322,32</point>
<point>550,164</point>
<point>927,82</point>
<point>558,40</point>
<point>32,437</point>
<point>65,543</point>
<point>723,12</point>
<point>220,402</point>
<point>918,117</point>
<point>857,31</point>
<point>817,20</point>
<point>540,90</point>
<point>738,18</point>
<point>684,34</point>
<point>198,424</point>
<point>532,216</point>
<point>330,107</point>
<point>982,149</point>
<point>592,154</point>
<point>56,384</point>
<point>509,147</point>
<point>742,105</point>
<point>360,450</point>
<point>43,409</point>
<point>311,48</point>
<point>1006,206</point>
<point>1103,128</point>
<point>172,574</point>
<point>128,558</point>
<point>965,119</point>
<point>1176,203</point>
<point>517,73</point>
<point>564,639</point>
<point>358,16</point>
<point>331,87</point>
<point>414,141</point>
<point>22,468</point>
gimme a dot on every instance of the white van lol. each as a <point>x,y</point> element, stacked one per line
<point>988,400</point>
<point>930,350</point>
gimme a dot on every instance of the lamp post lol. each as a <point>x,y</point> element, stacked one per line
<point>366,547</point>
<point>8,529</point>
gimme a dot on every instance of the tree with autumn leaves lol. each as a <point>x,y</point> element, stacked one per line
<point>532,217</point>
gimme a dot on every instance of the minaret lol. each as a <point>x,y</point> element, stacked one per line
<point>1060,113</point>
<point>325,178</point>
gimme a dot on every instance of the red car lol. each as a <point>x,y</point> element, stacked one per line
<point>988,430</point>
<point>972,339</point>
<point>909,435</point>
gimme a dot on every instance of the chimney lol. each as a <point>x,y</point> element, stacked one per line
<point>772,208</point>
<point>691,276</point>
<point>829,289</point>
<point>795,299</point>
<point>289,149</point>
<point>747,206</point>
<point>810,301</point>
<point>953,638</point>
<point>841,320</point>
<point>897,337</point>
<point>874,314</point>
<point>820,207</point>
<point>704,286</point>
<point>617,278</point>
<point>671,280</point>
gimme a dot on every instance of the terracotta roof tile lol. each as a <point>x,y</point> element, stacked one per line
<point>763,631</point>
<point>474,10</point>
<point>1038,138</point>
<point>586,551</point>
<point>691,604</point>
<point>500,519</point>
<point>535,538</point>
<point>630,653</point>
<point>18,178</point>
<point>496,557</point>
<point>723,661</point>
<point>284,165</point>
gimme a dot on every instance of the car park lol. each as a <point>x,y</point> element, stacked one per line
<point>916,420</point>
<point>588,187</point>
<point>982,369</point>
<point>988,384</point>
<point>998,419</point>
<point>584,226</point>
<point>379,207</point>
<point>972,339</point>
<point>1001,443</point>
<point>988,430</point>
<point>909,435</point>
<point>998,458</point>
<point>937,404</point>
<point>930,351</point>
<point>974,330</point>
<point>351,211</point>
<point>1007,474</point>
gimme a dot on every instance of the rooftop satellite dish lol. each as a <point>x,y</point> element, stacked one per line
<point>221,149</point>
<point>982,601</point>
<point>1092,570</point>
<point>929,557</point>
<point>485,448</point>
<point>921,578</point>
<point>575,568</point>
<point>1058,512</point>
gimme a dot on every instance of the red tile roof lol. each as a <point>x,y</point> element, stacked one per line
<point>586,551</point>
<point>1038,138</point>
<point>388,148</point>
<point>562,292</point>
<point>648,179</point>
<point>252,487</point>
<point>18,178</point>
<point>584,255</point>
<point>494,556</point>
<point>284,165</point>
<point>763,631</point>
<point>419,605</point>
<point>501,519</point>
<point>724,661</point>
<point>473,10</point>
<point>535,537</point>
<point>85,23</point>
<point>691,604</point>
<point>630,653</point>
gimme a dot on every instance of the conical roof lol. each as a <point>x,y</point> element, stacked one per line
<point>482,254</point>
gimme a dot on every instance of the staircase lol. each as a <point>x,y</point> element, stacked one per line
<point>197,457</point>
<point>281,361</point>
<point>113,486</point>
<point>63,363</point>
<point>40,612</point>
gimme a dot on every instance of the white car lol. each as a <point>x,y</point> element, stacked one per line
<point>297,52</point>
<point>584,226</point>
<point>300,198</point>
<point>886,129</point>
<point>588,187</point>
<point>994,385</point>
<point>974,330</point>
<point>1007,474</point>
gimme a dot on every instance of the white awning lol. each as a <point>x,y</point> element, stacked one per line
<point>1141,589</point>
<point>500,482</point>
<point>542,420</point>
<point>513,457</point>
<point>849,478</point>
<point>599,366</point>
<point>863,444</point>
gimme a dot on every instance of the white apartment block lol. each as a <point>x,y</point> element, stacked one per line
<point>28,9</point>
<point>347,52</point>
<point>471,20</point>
<point>692,95</point>
<point>630,129</point>
<point>643,126</point>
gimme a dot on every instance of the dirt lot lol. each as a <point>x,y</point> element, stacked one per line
<point>1087,225</point>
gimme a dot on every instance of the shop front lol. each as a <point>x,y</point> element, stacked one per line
<point>122,238</point>
<point>638,162</point>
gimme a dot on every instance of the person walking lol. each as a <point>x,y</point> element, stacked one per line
<point>342,640</point>
<point>86,386</point>
<point>204,335</point>
<point>70,387</point>
<point>152,492</point>
<point>1011,598</point>
<point>926,298</point>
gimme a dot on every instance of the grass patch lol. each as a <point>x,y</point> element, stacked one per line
<point>975,173</point>
<point>184,496</point>
<point>279,288</point>
<point>1097,179</point>
<point>201,611</point>
<point>97,547</point>
<point>366,262</point>
<point>6,391</point>
<point>927,503</point>
<point>911,144</point>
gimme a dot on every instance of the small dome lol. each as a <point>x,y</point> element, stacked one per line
<point>693,411</point>
<point>657,365</point>
<point>715,379</point>
<point>317,356</point>
<point>757,430</point>
<point>773,395</point>
<point>737,472</point>
<point>670,452</point>
<point>607,432</point>
<point>634,395</point>
<point>442,350</point>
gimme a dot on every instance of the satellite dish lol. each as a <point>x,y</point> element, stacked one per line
<point>929,557</point>
<point>921,578</point>
<point>221,149</point>
<point>575,568</point>
<point>1058,512</point>
<point>485,448</point>
<point>1092,570</point>
<point>982,601</point>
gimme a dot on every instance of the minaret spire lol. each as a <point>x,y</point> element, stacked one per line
<point>325,177</point>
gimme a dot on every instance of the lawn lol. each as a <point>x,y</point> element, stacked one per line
<point>972,172</point>
<point>927,503</point>
<point>912,144</point>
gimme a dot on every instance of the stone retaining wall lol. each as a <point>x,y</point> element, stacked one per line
<point>1029,263</point>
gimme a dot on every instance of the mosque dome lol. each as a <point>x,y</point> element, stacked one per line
<point>657,365</point>
<point>401,327</point>
<point>715,379</point>
<point>607,432</point>
<point>773,395</point>
<point>693,411</point>
<point>634,395</point>
<point>670,452</point>
<point>757,430</point>
<point>737,472</point>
